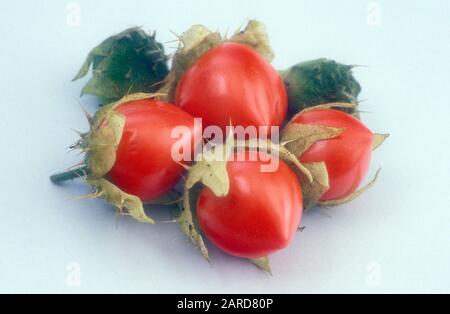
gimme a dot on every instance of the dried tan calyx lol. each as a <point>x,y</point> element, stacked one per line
<point>255,36</point>
<point>198,40</point>
<point>100,145</point>
<point>298,138</point>
<point>211,171</point>
<point>262,263</point>
<point>119,199</point>
<point>378,140</point>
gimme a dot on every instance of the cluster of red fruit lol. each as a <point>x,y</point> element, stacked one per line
<point>322,156</point>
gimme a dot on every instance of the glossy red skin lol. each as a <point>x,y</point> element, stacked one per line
<point>260,214</point>
<point>232,81</point>
<point>347,157</point>
<point>144,166</point>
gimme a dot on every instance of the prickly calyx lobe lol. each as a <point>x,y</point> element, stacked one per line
<point>126,63</point>
<point>318,82</point>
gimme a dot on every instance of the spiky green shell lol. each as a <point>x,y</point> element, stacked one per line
<point>318,82</point>
<point>126,63</point>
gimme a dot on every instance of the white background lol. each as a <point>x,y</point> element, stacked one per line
<point>395,238</point>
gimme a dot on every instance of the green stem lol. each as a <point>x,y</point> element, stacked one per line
<point>70,175</point>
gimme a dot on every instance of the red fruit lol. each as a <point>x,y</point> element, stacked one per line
<point>259,215</point>
<point>144,166</point>
<point>232,82</point>
<point>347,157</point>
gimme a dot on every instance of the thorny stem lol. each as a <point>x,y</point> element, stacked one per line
<point>70,175</point>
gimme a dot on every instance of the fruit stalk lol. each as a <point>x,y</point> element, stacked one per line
<point>70,175</point>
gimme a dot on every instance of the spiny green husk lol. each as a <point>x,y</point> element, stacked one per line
<point>318,82</point>
<point>129,62</point>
